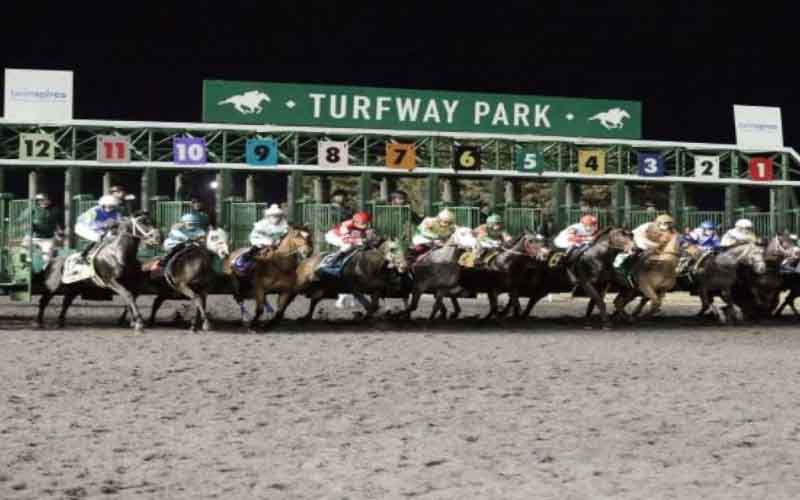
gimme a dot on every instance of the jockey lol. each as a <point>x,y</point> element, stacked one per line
<point>577,234</point>
<point>269,231</point>
<point>491,235</point>
<point>434,231</point>
<point>345,236</point>
<point>651,235</point>
<point>198,209</point>
<point>190,228</point>
<point>124,199</point>
<point>349,233</point>
<point>704,236</point>
<point>45,225</point>
<point>741,232</point>
<point>93,224</point>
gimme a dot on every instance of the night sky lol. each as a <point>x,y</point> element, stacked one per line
<point>688,64</point>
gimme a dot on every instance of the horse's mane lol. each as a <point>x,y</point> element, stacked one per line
<point>299,227</point>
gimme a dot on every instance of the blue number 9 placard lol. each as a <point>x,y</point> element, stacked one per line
<point>261,152</point>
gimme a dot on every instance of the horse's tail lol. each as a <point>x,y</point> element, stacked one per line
<point>52,279</point>
<point>225,101</point>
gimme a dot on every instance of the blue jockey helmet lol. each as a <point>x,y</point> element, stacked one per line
<point>707,224</point>
<point>191,219</point>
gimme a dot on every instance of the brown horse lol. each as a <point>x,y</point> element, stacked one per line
<point>655,274</point>
<point>273,271</point>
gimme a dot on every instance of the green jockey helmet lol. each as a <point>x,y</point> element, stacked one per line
<point>191,219</point>
<point>494,220</point>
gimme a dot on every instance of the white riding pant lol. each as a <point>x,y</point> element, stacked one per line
<point>87,233</point>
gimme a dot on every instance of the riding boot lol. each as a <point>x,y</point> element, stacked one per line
<point>85,251</point>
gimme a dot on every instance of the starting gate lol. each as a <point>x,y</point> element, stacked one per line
<point>240,217</point>
<point>692,218</point>
<point>520,219</point>
<point>16,261</point>
<point>319,218</point>
<point>393,221</point>
<point>469,216</point>
<point>166,213</point>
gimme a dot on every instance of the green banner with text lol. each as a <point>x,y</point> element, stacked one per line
<point>253,103</point>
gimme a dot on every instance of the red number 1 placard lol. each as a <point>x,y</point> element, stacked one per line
<point>761,169</point>
<point>113,148</point>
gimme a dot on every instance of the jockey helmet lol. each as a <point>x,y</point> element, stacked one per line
<point>665,219</point>
<point>273,210</point>
<point>117,189</point>
<point>708,225</point>
<point>446,217</point>
<point>589,220</point>
<point>191,219</point>
<point>744,224</point>
<point>361,219</point>
<point>108,201</point>
<point>41,196</point>
<point>494,219</point>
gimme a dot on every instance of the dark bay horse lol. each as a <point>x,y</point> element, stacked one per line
<point>189,275</point>
<point>509,272</point>
<point>115,265</point>
<point>375,271</point>
<point>273,271</point>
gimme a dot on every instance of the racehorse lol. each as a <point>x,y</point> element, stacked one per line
<point>509,271</point>
<point>438,272</point>
<point>274,270</point>
<point>375,270</point>
<point>115,268</point>
<point>654,274</point>
<point>189,274</point>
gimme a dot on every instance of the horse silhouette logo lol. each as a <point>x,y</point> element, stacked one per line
<point>612,118</point>
<point>247,103</point>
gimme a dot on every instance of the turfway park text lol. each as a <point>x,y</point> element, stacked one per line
<point>406,109</point>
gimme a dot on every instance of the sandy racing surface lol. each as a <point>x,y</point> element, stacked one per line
<point>678,408</point>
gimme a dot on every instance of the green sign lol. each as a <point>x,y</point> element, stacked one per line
<point>398,109</point>
<point>529,158</point>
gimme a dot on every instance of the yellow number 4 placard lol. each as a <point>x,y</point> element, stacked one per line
<point>591,162</point>
<point>401,155</point>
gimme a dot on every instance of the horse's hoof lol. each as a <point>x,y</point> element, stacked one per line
<point>61,324</point>
<point>454,315</point>
<point>606,326</point>
<point>138,328</point>
<point>206,326</point>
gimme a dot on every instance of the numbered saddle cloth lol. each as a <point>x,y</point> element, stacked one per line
<point>470,259</point>
<point>76,269</point>
<point>623,265</point>
<point>332,264</point>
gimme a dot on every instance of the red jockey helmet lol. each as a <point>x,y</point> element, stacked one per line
<point>361,220</point>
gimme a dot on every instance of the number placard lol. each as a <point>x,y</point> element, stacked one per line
<point>591,161</point>
<point>706,166</point>
<point>529,159</point>
<point>466,157</point>
<point>189,151</point>
<point>261,152</point>
<point>761,169</point>
<point>651,165</point>
<point>37,147</point>
<point>401,155</point>
<point>332,154</point>
<point>113,148</point>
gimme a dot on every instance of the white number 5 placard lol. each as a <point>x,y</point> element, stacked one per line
<point>706,167</point>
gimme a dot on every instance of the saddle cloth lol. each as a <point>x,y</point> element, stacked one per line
<point>76,269</point>
<point>469,259</point>
<point>332,264</point>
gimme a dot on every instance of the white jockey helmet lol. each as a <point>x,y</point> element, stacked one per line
<point>744,224</point>
<point>108,201</point>
<point>40,197</point>
<point>446,216</point>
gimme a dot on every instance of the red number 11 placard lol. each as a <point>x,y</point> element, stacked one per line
<point>113,148</point>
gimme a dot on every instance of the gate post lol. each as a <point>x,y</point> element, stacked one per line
<point>106,182</point>
<point>72,186</point>
<point>619,201</point>
<point>558,201</point>
<point>224,188</point>
<point>2,180</point>
<point>513,193</point>
<point>179,187</point>
<point>431,195</point>
<point>496,200</point>
<point>294,191</point>
<point>364,190</point>
<point>677,200</point>
<point>33,184</point>
<point>731,202</point>
<point>149,188</point>
<point>250,187</point>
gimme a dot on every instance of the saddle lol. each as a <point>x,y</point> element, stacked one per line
<point>76,269</point>
<point>332,264</point>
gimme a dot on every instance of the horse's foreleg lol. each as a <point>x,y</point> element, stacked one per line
<point>65,303</point>
<point>438,304</point>
<point>595,295</point>
<point>313,301</point>
<point>123,317</point>
<point>456,308</point>
<point>492,294</point>
<point>642,302</point>
<point>193,296</point>
<point>789,300</point>
<point>200,301</point>
<point>44,300</point>
<point>412,306</point>
<point>589,309</point>
<point>284,299</point>
<point>372,305</point>
<point>735,313</point>
<point>130,300</point>
<point>258,294</point>
<point>154,309</point>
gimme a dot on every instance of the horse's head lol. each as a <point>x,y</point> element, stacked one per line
<point>534,245</point>
<point>217,242</point>
<point>140,226</point>
<point>782,247</point>
<point>621,239</point>
<point>463,237</point>
<point>753,255</point>
<point>394,254</point>
<point>297,241</point>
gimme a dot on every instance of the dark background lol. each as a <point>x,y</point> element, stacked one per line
<point>687,62</point>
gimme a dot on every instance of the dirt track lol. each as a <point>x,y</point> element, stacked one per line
<point>541,409</point>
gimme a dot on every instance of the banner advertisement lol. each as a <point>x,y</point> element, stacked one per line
<point>38,95</point>
<point>758,127</point>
